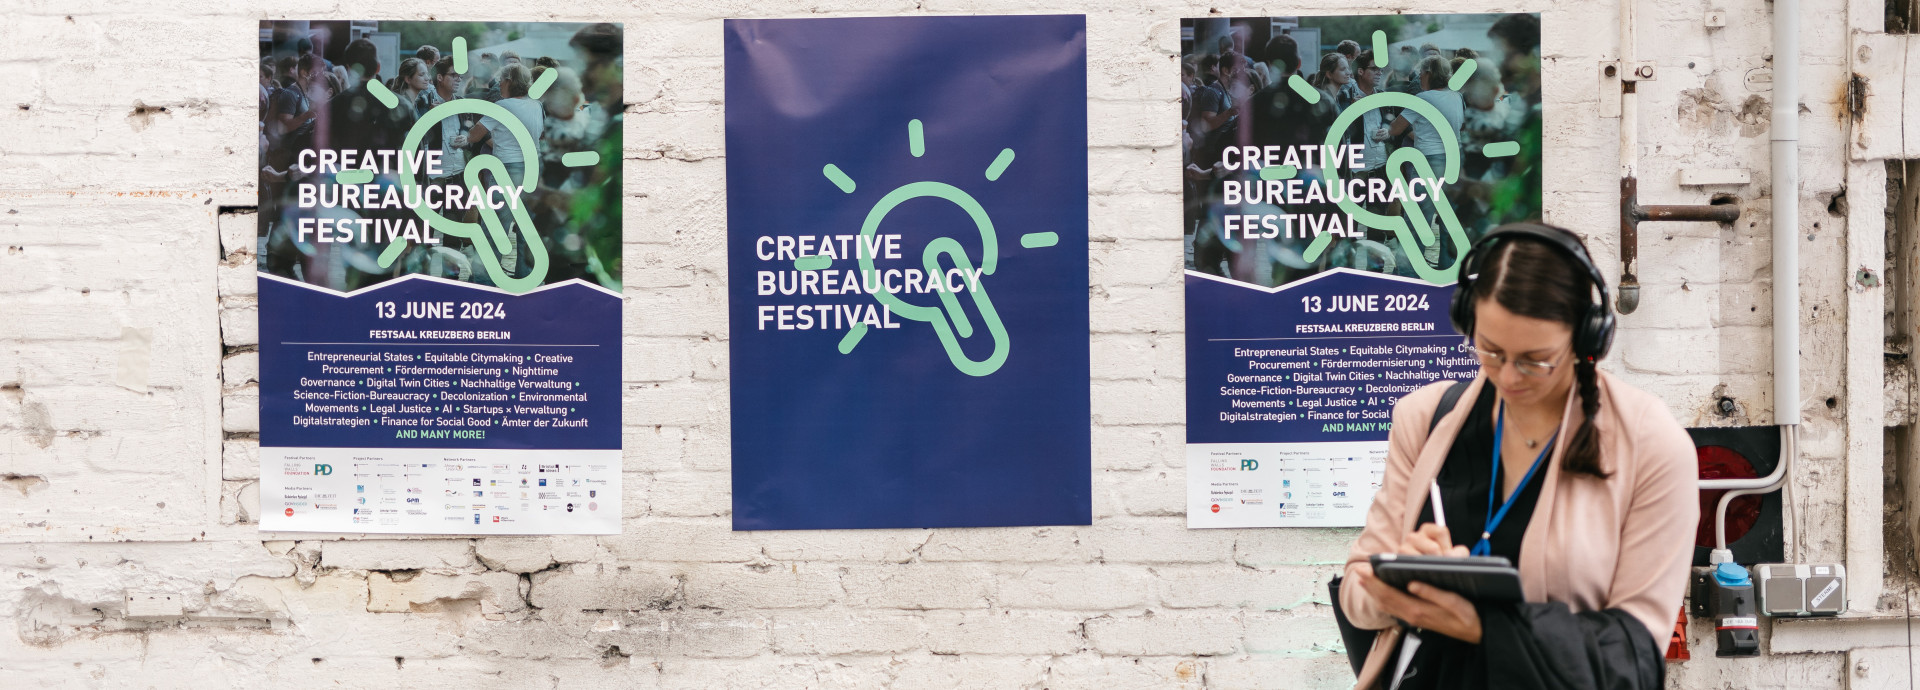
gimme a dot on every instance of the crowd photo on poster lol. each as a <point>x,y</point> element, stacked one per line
<point>1279,84</point>
<point>353,91</point>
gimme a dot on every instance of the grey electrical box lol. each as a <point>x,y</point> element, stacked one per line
<point>1795,589</point>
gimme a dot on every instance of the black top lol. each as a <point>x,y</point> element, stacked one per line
<point>1464,481</point>
<point>1441,661</point>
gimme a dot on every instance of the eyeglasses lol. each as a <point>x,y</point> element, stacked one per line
<point>1531,368</point>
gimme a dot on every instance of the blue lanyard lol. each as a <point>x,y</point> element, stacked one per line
<point>1482,548</point>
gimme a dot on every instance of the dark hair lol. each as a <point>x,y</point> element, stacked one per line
<point>303,46</point>
<point>428,54</point>
<point>443,67</point>
<point>1467,53</point>
<point>544,61</point>
<point>1230,61</point>
<point>309,63</point>
<point>1363,61</point>
<point>1537,281</point>
<point>1520,31</point>
<point>408,68</point>
<point>1328,64</point>
<point>361,53</point>
<point>1436,68</point>
<point>600,42</point>
<point>1348,48</point>
<point>1284,50</point>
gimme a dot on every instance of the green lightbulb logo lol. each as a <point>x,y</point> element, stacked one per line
<point>949,320</point>
<point>1411,228</point>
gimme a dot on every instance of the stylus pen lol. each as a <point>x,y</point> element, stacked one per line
<point>1439,512</point>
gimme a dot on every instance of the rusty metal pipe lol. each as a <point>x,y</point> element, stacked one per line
<point>1632,213</point>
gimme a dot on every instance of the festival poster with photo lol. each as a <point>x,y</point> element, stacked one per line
<point>1335,169</point>
<point>907,272</point>
<point>439,277</point>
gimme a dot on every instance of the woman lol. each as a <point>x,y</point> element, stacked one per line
<point>1597,480</point>
<point>1335,76</point>
<point>1434,74</point>
<point>514,81</point>
<point>412,84</point>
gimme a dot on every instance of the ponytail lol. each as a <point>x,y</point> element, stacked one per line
<point>1583,453</point>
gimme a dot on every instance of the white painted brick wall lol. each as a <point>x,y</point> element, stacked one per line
<point>112,220</point>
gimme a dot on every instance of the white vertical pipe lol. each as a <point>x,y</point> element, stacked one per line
<point>1785,128</point>
<point>1785,135</point>
<point>1629,114</point>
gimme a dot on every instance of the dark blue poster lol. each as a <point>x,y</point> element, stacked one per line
<point>1335,169</point>
<point>440,277</point>
<point>907,269</point>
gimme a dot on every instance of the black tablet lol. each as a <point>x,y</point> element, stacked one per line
<point>1480,578</point>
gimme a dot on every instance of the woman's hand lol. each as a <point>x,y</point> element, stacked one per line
<point>1425,606</point>
<point>1430,540</point>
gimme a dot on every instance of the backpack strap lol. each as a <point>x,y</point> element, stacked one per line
<point>1447,401</point>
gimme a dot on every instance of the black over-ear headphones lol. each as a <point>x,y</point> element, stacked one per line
<point>1591,337</point>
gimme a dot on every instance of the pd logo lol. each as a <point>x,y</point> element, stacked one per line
<point>1249,464</point>
<point>322,470</point>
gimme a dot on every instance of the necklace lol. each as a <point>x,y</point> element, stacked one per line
<point>1531,442</point>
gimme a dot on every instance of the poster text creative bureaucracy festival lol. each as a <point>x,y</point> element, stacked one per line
<point>440,266</point>
<point>907,271</point>
<point>1335,170</point>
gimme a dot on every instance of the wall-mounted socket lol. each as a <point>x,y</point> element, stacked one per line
<point>1800,589</point>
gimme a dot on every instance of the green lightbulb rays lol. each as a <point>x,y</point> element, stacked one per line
<point>490,236</point>
<point>1413,228</point>
<point>949,319</point>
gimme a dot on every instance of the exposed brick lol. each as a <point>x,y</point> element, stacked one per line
<point>430,592</point>
<point>1003,632</point>
<point>1073,587</point>
<point>919,585</point>
<point>599,586</point>
<point>1165,633</point>
<point>754,586</point>
<point>828,634</point>
<point>398,554</point>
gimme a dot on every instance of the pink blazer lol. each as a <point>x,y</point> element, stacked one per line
<point>1624,542</point>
